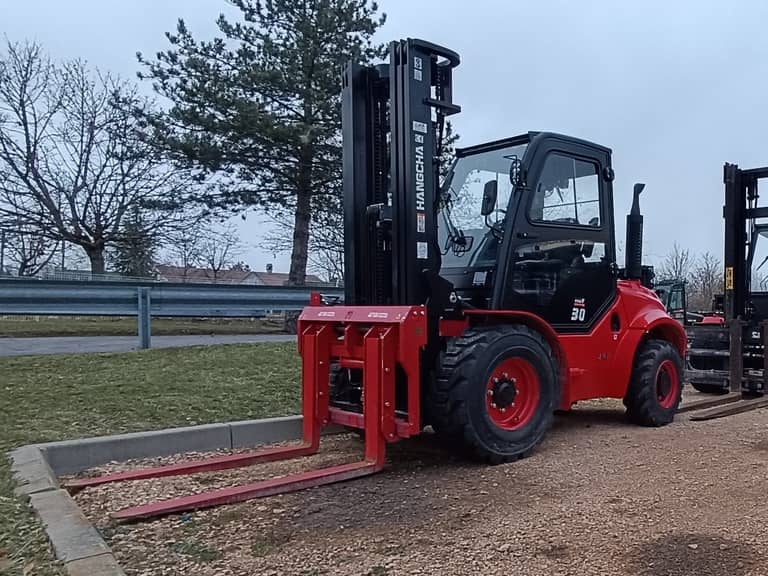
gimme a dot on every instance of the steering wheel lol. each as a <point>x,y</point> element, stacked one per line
<point>548,193</point>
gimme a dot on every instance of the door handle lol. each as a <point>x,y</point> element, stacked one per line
<point>526,235</point>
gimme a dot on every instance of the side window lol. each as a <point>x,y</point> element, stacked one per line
<point>568,193</point>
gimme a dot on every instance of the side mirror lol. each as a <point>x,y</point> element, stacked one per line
<point>490,191</point>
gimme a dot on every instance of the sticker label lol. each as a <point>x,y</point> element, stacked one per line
<point>421,222</point>
<point>729,278</point>
<point>479,278</point>
<point>422,250</point>
<point>418,66</point>
<point>419,127</point>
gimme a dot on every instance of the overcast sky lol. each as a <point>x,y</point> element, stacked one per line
<point>674,88</point>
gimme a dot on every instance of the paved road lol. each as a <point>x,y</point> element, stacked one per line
<point>74,344</point>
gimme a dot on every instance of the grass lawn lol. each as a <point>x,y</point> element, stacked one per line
<point>123,326</point>
<point>45,398</point>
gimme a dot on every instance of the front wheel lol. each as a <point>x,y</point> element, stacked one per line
<point>656,385</point>
<point>495,392</point>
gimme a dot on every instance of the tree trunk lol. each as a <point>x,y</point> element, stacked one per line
<point>96,257</point>
<point>302,218</point>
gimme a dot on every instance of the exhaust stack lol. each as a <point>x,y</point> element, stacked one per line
<point>633,262</point>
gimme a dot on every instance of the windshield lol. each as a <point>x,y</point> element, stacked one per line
<point>462,202</point>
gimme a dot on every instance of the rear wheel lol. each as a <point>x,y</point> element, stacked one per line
<point>656,386</point>
<point>495,392</point>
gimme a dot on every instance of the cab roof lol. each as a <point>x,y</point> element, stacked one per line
<point>525,139</point>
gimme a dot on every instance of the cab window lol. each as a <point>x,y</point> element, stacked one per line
<point>568,193</point>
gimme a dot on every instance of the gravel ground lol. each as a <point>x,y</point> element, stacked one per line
<point>599,497</point>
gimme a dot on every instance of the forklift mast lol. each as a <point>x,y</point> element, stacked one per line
<point>741,212</point>
<point>732,357</point>
<point>392,120</point>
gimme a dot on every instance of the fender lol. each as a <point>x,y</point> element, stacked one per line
<point>648,322</point>
<point>659,324</point>
<point>537,323</point>
<point>647,315</point>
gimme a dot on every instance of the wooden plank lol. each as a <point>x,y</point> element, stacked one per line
<point>709,402</point>
<point>731,409</point>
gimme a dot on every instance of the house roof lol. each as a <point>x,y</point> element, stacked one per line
<point>178,273</point>
<point>174,273</point>
<point>273,278</point>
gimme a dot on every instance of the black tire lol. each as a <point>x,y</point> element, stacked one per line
<point>709,388</point>
<point>464,395</point>
<point>656,384</point>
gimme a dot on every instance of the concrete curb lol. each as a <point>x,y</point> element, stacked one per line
<point>31,471</point>
<point>73,456</point>
<point>75,541</point>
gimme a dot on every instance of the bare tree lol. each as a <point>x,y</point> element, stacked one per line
<point>184,250</point>
<point>677,264</point>
<point>706,281</point>
<point>71,159</point>
<point>326,242</point>
<point>327,256</point>
<point>219,249</point>
<point>28,252</point>
<point>72,257</point>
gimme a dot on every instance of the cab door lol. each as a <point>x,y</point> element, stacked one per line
<point>559,255</point>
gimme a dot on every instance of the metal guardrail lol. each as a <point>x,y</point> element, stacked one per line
<point>147,299</point>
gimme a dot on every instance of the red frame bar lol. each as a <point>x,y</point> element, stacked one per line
<point>354,420</point>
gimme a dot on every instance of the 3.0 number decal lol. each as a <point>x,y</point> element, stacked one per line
<point>579,310</point>
<point>578,314</point>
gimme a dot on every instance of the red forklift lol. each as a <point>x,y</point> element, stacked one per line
<point>480,297</point>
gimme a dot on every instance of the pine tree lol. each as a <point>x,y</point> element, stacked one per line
<point>135,250</point>
<point>260,106</point>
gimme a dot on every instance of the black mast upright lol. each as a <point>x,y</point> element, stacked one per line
<point>736,281</point>
<point>389,116</point>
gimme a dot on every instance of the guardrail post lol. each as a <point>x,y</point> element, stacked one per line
<point>144,318</point>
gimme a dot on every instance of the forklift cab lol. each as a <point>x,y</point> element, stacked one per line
<point>672,295</point>
<point>526,223</point>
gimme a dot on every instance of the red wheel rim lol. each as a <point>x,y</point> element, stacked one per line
<point>667,384</point>
<point>512,394</point>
